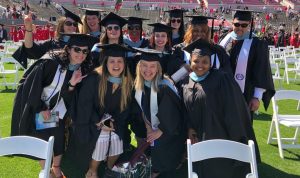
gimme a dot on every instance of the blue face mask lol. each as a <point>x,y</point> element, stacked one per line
<point>197,78</point>
<point>116,80</point>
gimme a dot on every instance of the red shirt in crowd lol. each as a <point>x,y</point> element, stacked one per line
<point>294,41</point>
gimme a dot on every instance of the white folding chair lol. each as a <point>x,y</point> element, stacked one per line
<point>284,119</point>
<point>31,146</point>
<point>13,70</point>
<point>215,149</point>
<point>290,65</point>
<point>276,74</point>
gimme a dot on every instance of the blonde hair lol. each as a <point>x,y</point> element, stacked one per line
<point>188,37</point>
<point>126,85</point>
<point>139,80</point>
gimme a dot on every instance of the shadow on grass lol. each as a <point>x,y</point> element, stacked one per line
<point>8,91</point>
<point>263,117</point>
<point>290,152</point>
<point>267,171</point>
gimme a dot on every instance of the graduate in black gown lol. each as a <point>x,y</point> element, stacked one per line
<point>105,92</point>
<point>134,38</point>
<point>160,110</point>
<point>160,40</point>
<point>91,22</point>
<point>199,29</point>
<point>46,88</point>
<point>215,109</point>
<point>249,61</point>
<point>33,50</point>
<point>113,34</point>
<point>177,22</point>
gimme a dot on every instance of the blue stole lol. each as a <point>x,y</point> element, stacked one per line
<point>197,78</point>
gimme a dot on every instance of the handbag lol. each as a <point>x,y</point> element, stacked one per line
<point>139,166</point>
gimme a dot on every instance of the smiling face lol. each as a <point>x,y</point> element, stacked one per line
<point>240,27</point>
<point>115,66</point>
<point>148,69</point>
<point>70,26</point>
<point>77,54</point>
<point>93,22</point>
<point>175,22</point>
<point>160,39</point>
<point>113,31</point>
<point>200,32</point>
<point>200,64</point>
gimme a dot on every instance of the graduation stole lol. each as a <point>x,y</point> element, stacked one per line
<point>153,102</point>
<point>55,86</point>
<point>241,67</point>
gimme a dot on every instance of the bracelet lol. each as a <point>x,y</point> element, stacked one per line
<point>70,85</point>
<point>28,30</point>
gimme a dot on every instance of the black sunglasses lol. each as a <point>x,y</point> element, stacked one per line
<point>68,23</point>
<point>115,27</point>
<point>176,20</point>
<point>243,25</point>
<point>134,27</point>
<point>78,50</point>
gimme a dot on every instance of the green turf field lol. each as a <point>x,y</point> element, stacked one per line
<point>272,165</point>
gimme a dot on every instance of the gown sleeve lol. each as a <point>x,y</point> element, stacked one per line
<point>84,112</point>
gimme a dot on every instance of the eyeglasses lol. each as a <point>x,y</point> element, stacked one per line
<point>115,27</point>
<point>175,20</point>
<point>243,25</point>
<point>78,50</point>
<point>134,27</point>
<point>69,23</point>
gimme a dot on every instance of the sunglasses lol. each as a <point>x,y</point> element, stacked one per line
<point>134,27</point>
<point>175,20</point>
<point>243,25</point>
<point>78,50</point>
<point>68,23</point>
<point>115,27</point>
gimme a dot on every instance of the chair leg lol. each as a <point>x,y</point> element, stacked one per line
<point>279,140</point>
<point>287,77</point>
<point>296,135</point>
<point>298,107</point>
<point>271,132</point>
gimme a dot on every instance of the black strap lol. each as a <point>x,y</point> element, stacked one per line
<point>54,88</point>
<point>109,145</point>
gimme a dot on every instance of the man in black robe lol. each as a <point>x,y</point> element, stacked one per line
<point>250,66</point>
<point>3,33</point>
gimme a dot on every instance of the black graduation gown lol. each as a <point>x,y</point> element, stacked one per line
<point>216,109</point>
<point>28,96</point>
<point>168,149</point>
<point>86,112</point>
<point>177,41</point>
<point>37,50</point>
<point>177,59</point>
<point>258,72</point>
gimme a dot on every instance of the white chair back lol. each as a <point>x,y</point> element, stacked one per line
<point>31,146</point>
<point>215,149</point>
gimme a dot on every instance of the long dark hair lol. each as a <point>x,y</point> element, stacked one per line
<point>181,30</point>
<point>64,61</point>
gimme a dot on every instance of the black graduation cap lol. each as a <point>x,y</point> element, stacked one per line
<point>79,39</point>
<point>201,47</point>
<point>113,18</point>
<point>148,54</point>
<point>159,27</point>
<point>177,13</point>
<point>135,20</point>
<point>245,15</point>
<point>114,50</point>
<point>198,19</point>
<point>1,24</point>
<point>71,15</point>
<point>91,11</point>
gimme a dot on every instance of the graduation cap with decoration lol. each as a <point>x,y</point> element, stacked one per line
<point>115,50</point>
<point>176,13</point>
<point>69,14</point>
<point>245,15</point>
<point>113,18</point>
<point>79,39</point>
<point>91,11</point>
<point>199,19</point>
